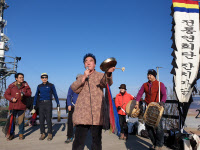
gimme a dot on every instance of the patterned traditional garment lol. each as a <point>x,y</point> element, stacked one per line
<point>89,105</point>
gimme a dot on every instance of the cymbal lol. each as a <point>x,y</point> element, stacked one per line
<point>108,63</point>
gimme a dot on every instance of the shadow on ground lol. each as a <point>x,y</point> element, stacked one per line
<point>29,131</point>
<point>135,143</point>
<point>55,129</point>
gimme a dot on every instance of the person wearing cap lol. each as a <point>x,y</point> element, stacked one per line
<point>151,90</point>
<point>45,92</point>
<point>71,101</point>
<point>121,100</point>
<point>88,112</point>
<point>17,94</point>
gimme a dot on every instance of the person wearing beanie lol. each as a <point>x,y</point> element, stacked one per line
<point>45,92</point>
<point>88,113</point>
<point>151,90</point>
<point>71,101</point>
<point>121,100</point>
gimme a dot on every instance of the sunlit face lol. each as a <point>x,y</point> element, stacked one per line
<point>122,91</point>
<point>151,78</point>
<point>44,79</point>
<point>20,79</point>
<point>89,62</point>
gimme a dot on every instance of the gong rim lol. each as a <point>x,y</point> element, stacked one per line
<point>108,63</point>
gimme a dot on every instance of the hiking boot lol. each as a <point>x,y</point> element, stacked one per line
<point>121,136</point>
<point>42,137</point>
<point>49,138</point>
<point>11,137</point>
<point>69,140</point>
<point>158,148</point>
<point>21,136</point>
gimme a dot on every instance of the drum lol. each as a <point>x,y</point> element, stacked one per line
<point>153,114</point>
<point>130,109</point>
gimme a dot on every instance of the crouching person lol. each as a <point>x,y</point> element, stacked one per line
<point>17,94</point>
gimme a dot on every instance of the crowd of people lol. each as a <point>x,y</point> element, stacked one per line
<point>86,95</point>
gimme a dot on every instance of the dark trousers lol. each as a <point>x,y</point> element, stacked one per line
<point>20,114</point>
<point>70,123</point>
<point>123,124</point>
<point>45,112</point>
<point>156,135</point>
<point>81,133</point>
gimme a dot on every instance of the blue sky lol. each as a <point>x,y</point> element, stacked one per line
<point>53,36</point>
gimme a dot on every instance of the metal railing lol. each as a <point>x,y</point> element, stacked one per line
<point>28,118</point>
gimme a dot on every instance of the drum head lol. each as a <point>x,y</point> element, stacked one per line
<point>130,106</point>
<point>108,63</point>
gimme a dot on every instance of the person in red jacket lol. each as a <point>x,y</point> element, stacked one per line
<point>121,101</point>
<point>16,94</point>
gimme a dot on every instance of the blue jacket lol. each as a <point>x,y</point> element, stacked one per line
<point>71,97</point>
<point>45,92</point>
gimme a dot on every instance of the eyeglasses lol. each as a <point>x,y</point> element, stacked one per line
<point>43,77</point>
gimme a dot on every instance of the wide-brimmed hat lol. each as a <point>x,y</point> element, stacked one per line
<point>122,86</point>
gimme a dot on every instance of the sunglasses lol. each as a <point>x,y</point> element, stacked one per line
<point>43,77</point>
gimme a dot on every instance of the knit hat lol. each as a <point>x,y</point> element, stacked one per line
<point>152,72</point>
<point>122,86</point>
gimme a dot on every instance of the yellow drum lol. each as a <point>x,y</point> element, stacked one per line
<point>130,109</point>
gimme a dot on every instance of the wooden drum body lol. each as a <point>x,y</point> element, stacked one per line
<point>153,114</point>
